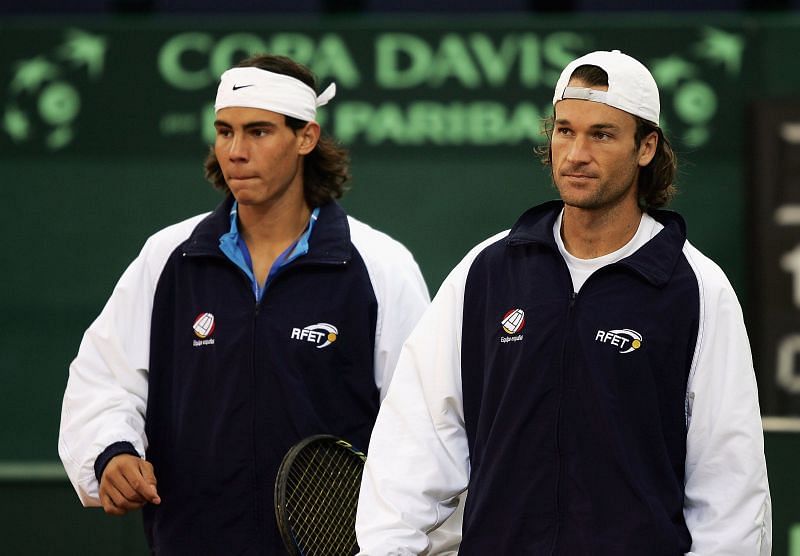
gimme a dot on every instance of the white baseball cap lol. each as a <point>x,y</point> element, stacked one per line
<point>631,86</point>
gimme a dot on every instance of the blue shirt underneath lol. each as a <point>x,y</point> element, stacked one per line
<point>234,247</point>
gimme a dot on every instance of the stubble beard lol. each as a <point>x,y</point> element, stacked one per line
<point>603,195</point>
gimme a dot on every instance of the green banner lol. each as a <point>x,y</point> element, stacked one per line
<point>142,88</point>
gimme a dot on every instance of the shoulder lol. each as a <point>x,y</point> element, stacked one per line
<point>377,248</point>
<point>710,276</point>
<point>167,239</point>
<point>159,246</point>
<point>481,254</point>
<point>717,297</point>
<point>493,245</point>
<point>490,247</point>
<point>396,280</point>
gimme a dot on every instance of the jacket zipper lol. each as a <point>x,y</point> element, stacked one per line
<point>572,298</point>
<point>258,502</point>
<point>260,509</point>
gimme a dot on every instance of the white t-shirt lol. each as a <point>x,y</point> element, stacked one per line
<point>581,269</point>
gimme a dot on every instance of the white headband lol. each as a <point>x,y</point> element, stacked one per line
<point>256,88</point>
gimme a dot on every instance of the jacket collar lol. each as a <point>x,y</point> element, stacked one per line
<point>329,241</point>
<point>655,261</point>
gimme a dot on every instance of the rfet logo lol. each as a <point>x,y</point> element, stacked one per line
<point>625,339</point>
<point>322,334</point>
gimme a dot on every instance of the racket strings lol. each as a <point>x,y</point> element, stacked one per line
<point>321,499</point>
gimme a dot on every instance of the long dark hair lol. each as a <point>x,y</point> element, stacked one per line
<point>656,180</point>
<point>326,169</point>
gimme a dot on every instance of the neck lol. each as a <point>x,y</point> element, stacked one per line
<point>589,234</point>
<point>274,224</point>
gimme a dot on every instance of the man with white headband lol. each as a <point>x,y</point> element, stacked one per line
<point>237,333</point>
<point>586,374</point>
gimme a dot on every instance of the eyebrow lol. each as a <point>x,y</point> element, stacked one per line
<point>599,126</point>
<point>249,125</point>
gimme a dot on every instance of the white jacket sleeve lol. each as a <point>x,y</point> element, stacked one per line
<point>400,290</point>
<point>106,395</point>
<point>418,461</point>
<point>727,503</point>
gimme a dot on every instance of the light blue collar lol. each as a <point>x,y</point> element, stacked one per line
<point>233,246</point>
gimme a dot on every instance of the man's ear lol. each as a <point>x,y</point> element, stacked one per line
<point>647,149</point>
<point>309,137</point>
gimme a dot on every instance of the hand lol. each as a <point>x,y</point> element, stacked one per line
<point>128,483</point>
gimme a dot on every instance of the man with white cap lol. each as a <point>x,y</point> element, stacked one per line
<point>585,375</point>
<point>237,333</point>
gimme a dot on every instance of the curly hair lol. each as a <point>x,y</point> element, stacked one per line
<point>326,169</point>
<point>656,180</point>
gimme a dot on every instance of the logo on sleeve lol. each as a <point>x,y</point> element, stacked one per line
<point>203,327</point>
<point>322,334</point>
<point>625,339</point>
<point>513,322</point>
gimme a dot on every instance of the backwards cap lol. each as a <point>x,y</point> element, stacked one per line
<point>257,88</point>
<point>631,86</point>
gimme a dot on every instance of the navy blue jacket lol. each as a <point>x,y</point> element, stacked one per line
<point>224,403</point>
<point>620,421</point>
<point>578,429</point>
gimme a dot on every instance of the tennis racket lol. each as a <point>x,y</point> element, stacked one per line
<point>316,495</point>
